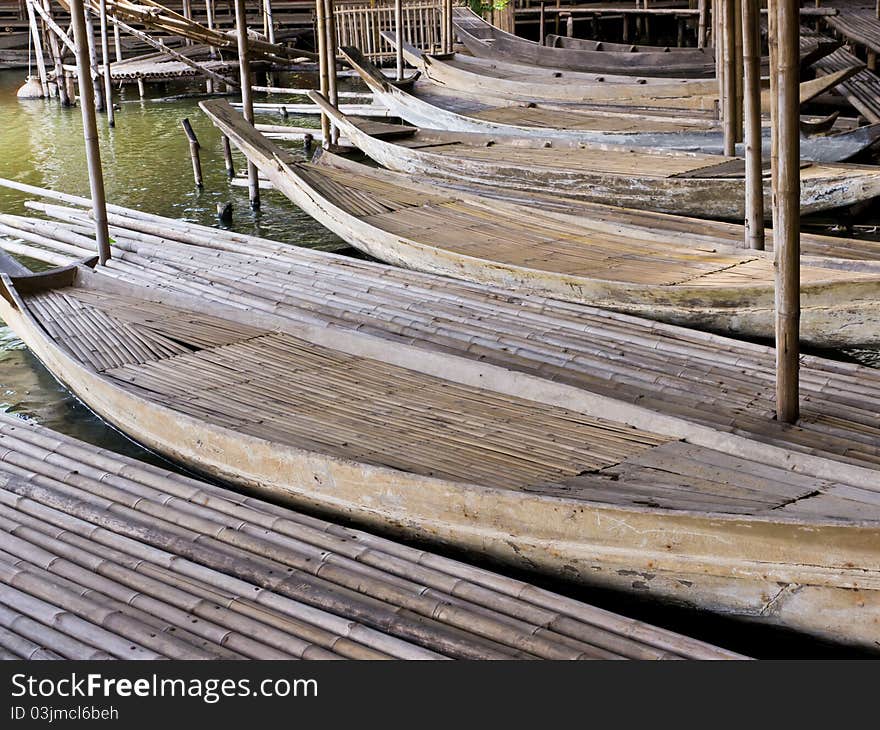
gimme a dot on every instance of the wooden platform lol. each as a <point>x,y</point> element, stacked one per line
<point>187,570</point>
<point>862,90</point>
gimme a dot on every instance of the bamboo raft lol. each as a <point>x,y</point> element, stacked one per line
<point>431,106</point>
<point>103,557</point>
<point>422,226</point>
<point>666,181</point>
<point>456,451</point>
<point>484,40</point>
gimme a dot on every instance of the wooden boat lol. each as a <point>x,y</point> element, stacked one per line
<point>566,126</point>
<point>474,75</point>
<point>434,446</point>
<point>670,182</point>
<point>430,228</point>
<point>484,40</point>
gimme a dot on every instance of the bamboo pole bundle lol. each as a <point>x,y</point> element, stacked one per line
<point>60,469</point>
<point>754,218</point>
<point>247,101</point>
<point>787,219</point>
<point>90,131</point>
<point>60,644</point>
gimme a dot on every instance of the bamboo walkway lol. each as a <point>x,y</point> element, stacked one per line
<point>102,557</point>
<point>706,379</point>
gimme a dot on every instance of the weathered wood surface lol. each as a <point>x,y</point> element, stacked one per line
<point>433,107</point>
<point>422,226</point>
<point>627,177</point>
<point>78,585</point>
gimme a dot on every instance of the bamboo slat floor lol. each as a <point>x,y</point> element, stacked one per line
<point>862,90</point>
<point>103,557</point>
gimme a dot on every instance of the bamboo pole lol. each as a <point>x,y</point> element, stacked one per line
<point>321,33</point>
<point>738,70</point>
<point>450,29</point>
<point>55,48</point>
<point>787,236</point>
<point>754,219</point>
<point>247,101</point>
<point>227,157</point>
<point>117,43</point>
<point>728,88</point>
<point>193,151</point>
<point>37,42</point>
<point>542,24</point>
<point>105,55</point>
<point>270,21</point>
<point>90,130</point>
<point>701,23</point>
<point>97,81</point>
<point>398,37</point>
<point>331,64</point>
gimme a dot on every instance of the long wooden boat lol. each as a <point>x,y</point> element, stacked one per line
<point>474,75</point>
<point>563,126</point>
<point>669,182</point>
<point>485,40</point>
<point>431,228</point>
<point>455,451</point>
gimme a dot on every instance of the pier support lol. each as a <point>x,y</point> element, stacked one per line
<point>37,42</point>
<point>331,64</point>
<point>97,81</point>
<point>90,130</point>
<point>321,33</point>
<point>194,147</point>
<point>247,100</point>
<point>728,23</point>
<point>754,220</point>
<point>55,48</point>
<point>398,36</point>
<point>786,234</point>
<point>105,56</point>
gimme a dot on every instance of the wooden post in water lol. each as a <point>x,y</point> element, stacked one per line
<point>398,37</point>
<point>321,33</point>
<point>37,42</point>
<point>728,24</point>
<point>331,64</point>
<point>754,220</point>
<point>193,151</point>
<point>105,55</point>
<point>97,81</point>
<point>227,157</point>
<point>55,48</point>
<point>786,237</point>
<point>247,99</point>
<point>90,129</point>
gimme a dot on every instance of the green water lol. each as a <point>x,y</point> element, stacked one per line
<point>146,166</point>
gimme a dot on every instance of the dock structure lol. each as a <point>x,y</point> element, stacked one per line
<point>104,557</point>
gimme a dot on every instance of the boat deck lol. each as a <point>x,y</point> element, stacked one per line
<point>277,387</point>
<point>102,557</point>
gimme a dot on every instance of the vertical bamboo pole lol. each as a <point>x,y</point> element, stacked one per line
<point>117,42</point>
<point>450,30</point>
<point>270,21</point>
<point>728,87</point>
<point>542,24</point>
<point>247,101</point>
<point>738,70</point>
<point>97,81</point>
<point>754,220</point>
<point>38,47</point>
<point>194,148</point>
<point>55,48</point>
<point>90,129</point>
<point>186,11</point>
<point>701,23</point>
<point>321,33</point>
<point>398,37</point>
<point>105,54</point>
<point>787,236</point>
<point>331,64</point>
<point>227,157</point>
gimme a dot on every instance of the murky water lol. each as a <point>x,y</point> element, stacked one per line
<point>147,166</point>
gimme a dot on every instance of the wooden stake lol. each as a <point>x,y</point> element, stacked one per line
<point>38,48</point>
<point>321,34</point>
<point>754,220</point>
<point>227,157</point>
<point>105,55</point>
<point>728,88</point>
<point>331,64</point>
<point>194,152</point>
<point>398,37</point>
<point>787,236</point>
<point>90,129</point>
<point>247,100</point>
